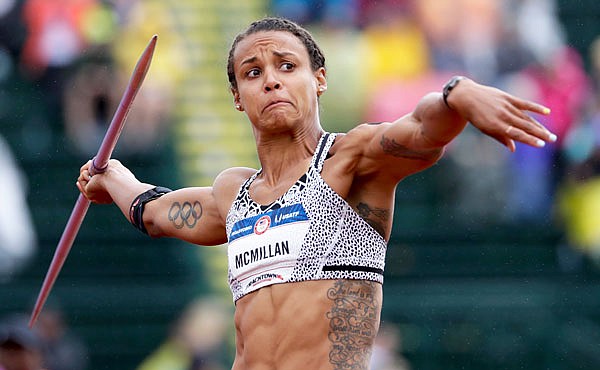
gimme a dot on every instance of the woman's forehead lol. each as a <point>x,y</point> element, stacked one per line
<point>271,41</point>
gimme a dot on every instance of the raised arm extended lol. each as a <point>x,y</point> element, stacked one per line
<point>417,140</point>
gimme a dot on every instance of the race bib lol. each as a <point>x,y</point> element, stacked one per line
<point>263,249</point>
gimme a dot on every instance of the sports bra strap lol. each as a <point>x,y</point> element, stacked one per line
<point>322,149</point>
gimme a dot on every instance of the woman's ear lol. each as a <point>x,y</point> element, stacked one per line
<point>320,75</point>
<point>236,100</point>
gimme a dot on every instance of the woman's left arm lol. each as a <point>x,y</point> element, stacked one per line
<point>417,140</point>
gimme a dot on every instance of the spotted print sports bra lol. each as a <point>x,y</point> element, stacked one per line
<point>309,233</point>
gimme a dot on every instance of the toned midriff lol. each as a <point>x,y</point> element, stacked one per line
<point>324,324</point>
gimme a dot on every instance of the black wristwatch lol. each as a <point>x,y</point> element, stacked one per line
<point>449,86</point>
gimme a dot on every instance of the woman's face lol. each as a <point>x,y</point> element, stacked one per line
<point>276,86</point>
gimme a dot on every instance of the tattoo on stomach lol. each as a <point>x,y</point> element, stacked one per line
<point>353,323</point>
<point>186,214</point>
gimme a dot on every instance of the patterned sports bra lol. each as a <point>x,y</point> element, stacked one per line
<point>309,233</point>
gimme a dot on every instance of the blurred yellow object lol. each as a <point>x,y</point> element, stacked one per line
<point>99,24</point>
<point>144,20</point>
<point>579,206</point>
<point>396,50</point>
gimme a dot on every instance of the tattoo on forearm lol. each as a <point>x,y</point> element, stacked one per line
<point>186,214</point>
<point>353,323</point>
<point>381,215</point>
<point>391,147</point>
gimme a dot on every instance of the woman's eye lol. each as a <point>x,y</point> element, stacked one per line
<point>253,73</point>
<point>287,66</point>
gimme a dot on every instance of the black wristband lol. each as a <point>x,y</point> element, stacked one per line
<point>448,88</point>
<point>136,210</point>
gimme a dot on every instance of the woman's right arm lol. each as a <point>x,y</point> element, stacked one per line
<point>190,214</point>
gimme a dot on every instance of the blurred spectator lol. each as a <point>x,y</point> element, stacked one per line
<point>89,104</point>
<point>97,84</point>
<point>579,200</point>
<point>17,234</point>
<point>396,48</point>
<point>55,33</point>
<point>197,342</point>
<point>579,193</point>
<point>12,31</point>
<point>59,32</point>
<point>538,27</point>
<point>20,347</point>
<point>395,61</point>
<point>61,349</point>
<point>478,37</point>
<point>557,79</point>
<point>560,82</point>
<point>441,21</point>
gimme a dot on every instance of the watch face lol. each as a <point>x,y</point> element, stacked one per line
<point>449,86</point>
<point>453,82</point>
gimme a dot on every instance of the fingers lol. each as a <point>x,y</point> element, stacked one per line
<point>86,166</point>
<point>507,118</point>
<point>526,105</point>
<point>92,186</point>
<point>504,140</point>
<point>512,134</point>
<point>521,127</point>
<point>84,177</point>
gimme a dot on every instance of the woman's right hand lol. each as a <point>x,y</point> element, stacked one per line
<point>92,187</point>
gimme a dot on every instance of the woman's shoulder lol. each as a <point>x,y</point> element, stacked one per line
<point>352,140</point>
<point>227,185</point>
<point>237,172</point>
<point>233,177</point>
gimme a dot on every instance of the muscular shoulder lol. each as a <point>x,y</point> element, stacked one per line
<point>360,134</point>
<point>348,144</point>
<point>386,149</point>
<point>353,148</point>
<point>227,184</point>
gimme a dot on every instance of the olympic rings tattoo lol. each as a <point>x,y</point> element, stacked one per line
<point>186,214</point>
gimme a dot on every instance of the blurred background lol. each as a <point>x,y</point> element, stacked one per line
<point>494,260</point>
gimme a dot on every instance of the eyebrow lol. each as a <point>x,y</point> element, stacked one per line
<point>279,54</point>
<point>282,54</point>
<point>249,60</point>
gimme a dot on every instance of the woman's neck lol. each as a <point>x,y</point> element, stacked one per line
<point>281,153</point>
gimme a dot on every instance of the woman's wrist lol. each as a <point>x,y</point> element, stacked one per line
<point>452,89</point>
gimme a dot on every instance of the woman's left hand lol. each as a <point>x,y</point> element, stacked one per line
<point>500,115</point>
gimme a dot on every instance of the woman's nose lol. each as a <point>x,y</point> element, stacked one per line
<point>272,86</point>
<point>271,81</point>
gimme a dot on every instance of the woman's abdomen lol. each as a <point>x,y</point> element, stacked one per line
<point>325,324</point>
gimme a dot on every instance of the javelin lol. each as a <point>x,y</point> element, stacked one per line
<point>99,165</point>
